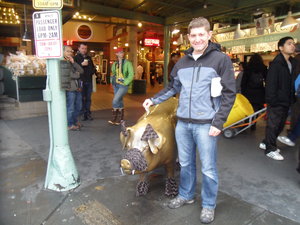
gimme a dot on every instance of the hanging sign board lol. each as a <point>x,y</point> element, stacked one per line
<point>47,34</point>
<point>47,4</point>
<point>151,42</point>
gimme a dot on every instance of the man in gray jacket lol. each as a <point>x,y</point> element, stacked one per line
<point>201,113</point>
<point>73,94</point>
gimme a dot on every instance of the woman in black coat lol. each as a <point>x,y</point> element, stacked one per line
<point>253,82</point>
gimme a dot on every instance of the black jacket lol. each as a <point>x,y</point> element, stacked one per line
<point>89,70</point>
<point>280,90</point>
<point>254,93</point>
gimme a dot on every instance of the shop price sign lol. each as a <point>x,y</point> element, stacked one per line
<point>47,34</point>
<point>47,4</point>
<point>151,42</point>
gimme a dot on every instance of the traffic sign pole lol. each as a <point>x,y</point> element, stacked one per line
<point>61,173</point>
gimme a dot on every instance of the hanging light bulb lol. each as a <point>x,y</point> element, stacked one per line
<point>238,32</point>
<point>288,21</point>
<point>140,24</point>
<point>25,36</point>
<point>175,31</point>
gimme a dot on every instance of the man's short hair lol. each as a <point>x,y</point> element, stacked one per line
<point>82,43</point>
<point>282,41</point>
<point>66,46</point>
<point>199,22</point>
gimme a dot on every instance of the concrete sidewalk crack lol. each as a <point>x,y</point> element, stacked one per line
<point>55,209</point>
<point>255,217</point>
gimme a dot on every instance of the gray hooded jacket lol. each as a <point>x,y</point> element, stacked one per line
<point>192,79</point>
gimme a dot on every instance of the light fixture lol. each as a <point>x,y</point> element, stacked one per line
<point>114,47</point>
<point>126,44</point>
<point>25,36</point>
<point>140,24</point>
<point>258,12</point>
<point>288,21</point>
<point>142,49</point>
<point>175,43</point>
<point>238,33</point>
<point>175,31</point>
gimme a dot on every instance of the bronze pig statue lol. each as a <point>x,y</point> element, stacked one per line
<point>150,144</point>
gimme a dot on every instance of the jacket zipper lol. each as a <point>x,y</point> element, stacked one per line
<point>190,105</point>
<point>198,72</point>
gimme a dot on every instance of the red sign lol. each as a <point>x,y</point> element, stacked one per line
<point>151,42</point>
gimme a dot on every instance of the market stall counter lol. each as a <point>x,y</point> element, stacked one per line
<point>24,88</point>
<point>24,78</point>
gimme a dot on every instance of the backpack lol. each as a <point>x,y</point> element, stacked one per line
<point>256,80</point>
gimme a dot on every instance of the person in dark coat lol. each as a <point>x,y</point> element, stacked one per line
<point>253,83</point>
<point>86,62</point>
<point>280,94</point>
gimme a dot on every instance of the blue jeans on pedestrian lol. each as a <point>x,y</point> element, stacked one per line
<point>74,105</point>
<point>119,92</point>
<point>87,89</point>
<point>189,137</point>
<point>295,133</point>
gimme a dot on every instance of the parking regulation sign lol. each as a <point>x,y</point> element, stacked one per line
<point>47,34</point>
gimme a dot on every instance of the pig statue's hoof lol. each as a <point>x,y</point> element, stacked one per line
<point>142,188</point>
<point>171,187</point>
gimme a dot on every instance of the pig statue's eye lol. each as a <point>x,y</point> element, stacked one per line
<point>146,148</point>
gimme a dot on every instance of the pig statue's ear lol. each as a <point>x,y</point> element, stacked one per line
<point>149,136</point>
<point>124,135</point>
<point>123,129</point>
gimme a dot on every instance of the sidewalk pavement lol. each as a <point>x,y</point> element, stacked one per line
<point>105,197</point>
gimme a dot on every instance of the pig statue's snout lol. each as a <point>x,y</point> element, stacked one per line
<point>126,166</point>
<point>133,160</point>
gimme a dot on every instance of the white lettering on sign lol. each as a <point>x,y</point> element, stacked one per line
<point>151,42</point>
<point>47,34</point>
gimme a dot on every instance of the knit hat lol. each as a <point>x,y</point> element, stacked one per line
<point>117,50</point>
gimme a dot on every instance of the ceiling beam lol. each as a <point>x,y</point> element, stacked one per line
<point>121,13</point>
<point>171,5</point>
<point>138,6</point>
<point>224,4</point>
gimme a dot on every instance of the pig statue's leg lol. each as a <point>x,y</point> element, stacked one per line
<point>171,189</point>
<point>142,186</point>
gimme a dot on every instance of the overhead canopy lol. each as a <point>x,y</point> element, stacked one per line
<point>182,11</point>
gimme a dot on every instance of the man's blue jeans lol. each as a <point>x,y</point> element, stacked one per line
<point>74,105</point>
<point>87,89</point>
<point>119,92</point>
<point>190,136</point>
<point>295,133</point>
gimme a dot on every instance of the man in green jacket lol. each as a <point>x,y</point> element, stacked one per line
<point>122,76</point>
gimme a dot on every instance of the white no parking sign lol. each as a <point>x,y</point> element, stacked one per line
<point>47,34</point>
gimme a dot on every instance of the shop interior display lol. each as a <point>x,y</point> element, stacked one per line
<point>25,65</point>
